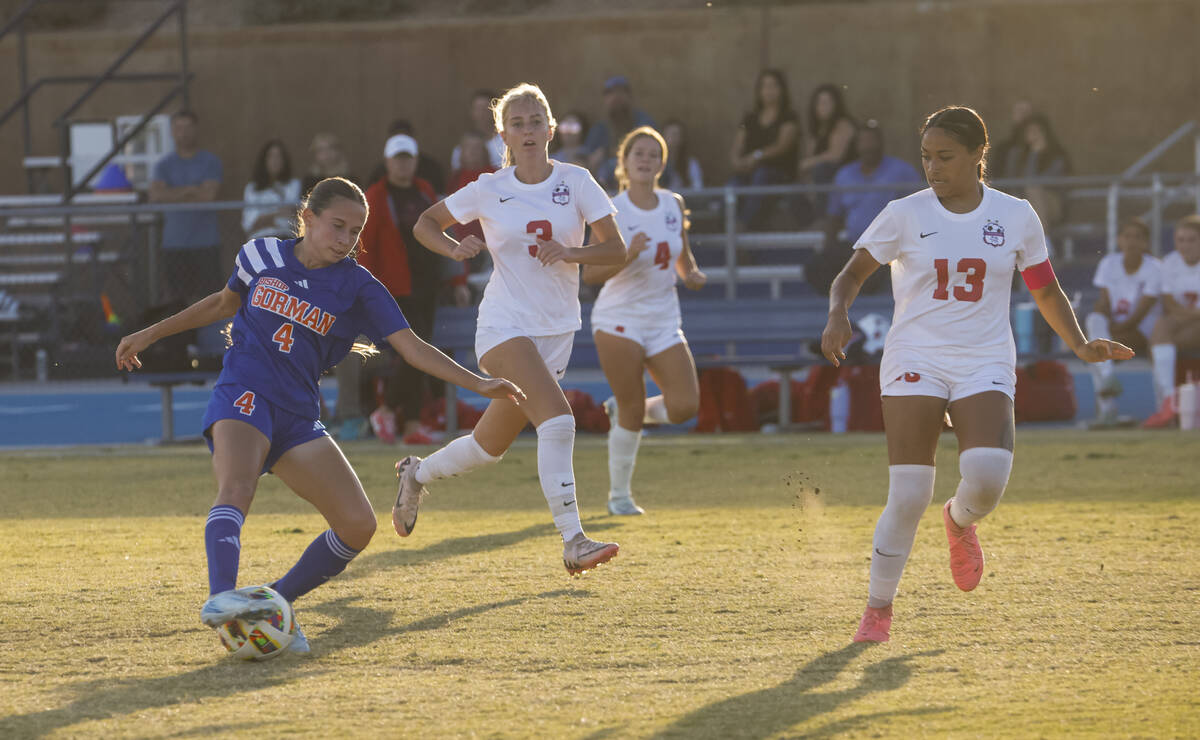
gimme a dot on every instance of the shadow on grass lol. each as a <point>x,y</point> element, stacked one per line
<point>107,698</point>
<point>772,711</point>
<point>455,547</point>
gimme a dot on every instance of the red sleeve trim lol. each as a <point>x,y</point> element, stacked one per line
<point>1038,276</point>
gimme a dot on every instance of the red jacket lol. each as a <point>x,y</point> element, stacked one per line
<point>383,250</point>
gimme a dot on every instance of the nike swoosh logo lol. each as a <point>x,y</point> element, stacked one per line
<point>564,485</point>
<point>568,503</point>
<point>505,200</point>
<point>631,228</point>
<point>997,382</point>
<point>929,234</point>
<point>884,554</point>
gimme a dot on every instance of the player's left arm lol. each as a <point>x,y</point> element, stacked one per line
<point>1053,303</point>
<point>430,360</point>
<point>686,266</point>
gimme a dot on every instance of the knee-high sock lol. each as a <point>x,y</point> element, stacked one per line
<point>622,455</point>
<point>985,473</point>
<point>556,445</point>
<point>1163,358</point>
<point>910,489</point>
<point>324,558</point>
<point>223,545</point>
<point>1098,326</point>
<point>656,411</point>
<point>458,457</point>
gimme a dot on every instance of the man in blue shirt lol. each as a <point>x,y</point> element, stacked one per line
<point>620,117</point>
<point>190,244</point>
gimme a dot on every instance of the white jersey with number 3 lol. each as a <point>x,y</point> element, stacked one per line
<point>952,278</point>
<point>643,293</point>
<point>522,293</point>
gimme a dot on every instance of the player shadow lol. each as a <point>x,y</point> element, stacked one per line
<point>108,697</point>
<point>769,712</point>
<point>454,547</point>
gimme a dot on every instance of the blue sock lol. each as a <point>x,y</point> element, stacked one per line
<point>222,542</point>
<point>325,558</point>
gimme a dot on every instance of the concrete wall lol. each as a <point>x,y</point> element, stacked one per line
<point>1116,76</point>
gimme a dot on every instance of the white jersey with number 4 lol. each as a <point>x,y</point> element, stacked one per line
<point>643,293</point>
<point>952,279</point>
<point>1126,291</point>
<point>522,293</point>
<point>1181,281</point>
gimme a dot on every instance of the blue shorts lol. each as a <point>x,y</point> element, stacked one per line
<point>284,429</point>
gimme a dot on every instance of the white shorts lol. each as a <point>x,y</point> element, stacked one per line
<point>653,339</point>
<point>555,349</point>
<point>950,386</point>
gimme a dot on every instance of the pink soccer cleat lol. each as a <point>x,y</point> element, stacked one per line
<point>966,556</point>
<point>1164,418</point>
<point>876,625</point>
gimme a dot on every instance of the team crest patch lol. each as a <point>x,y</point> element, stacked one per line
<point>993,234</point>
<point>672,222</point>
<point>561,194</point>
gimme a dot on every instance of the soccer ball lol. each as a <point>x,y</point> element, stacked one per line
<point>263,638</point>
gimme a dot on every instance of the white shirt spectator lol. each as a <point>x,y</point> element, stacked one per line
<point>1125,291</point>
<point>268,201</point>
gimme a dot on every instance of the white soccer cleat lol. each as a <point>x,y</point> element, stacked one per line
<point>299,641</point>
<point>235,604</point>
<point>408,497</point>
<point>582,553</point>
<point>624,506</point>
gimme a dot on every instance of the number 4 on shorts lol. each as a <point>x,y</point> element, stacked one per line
<point>245,403</point>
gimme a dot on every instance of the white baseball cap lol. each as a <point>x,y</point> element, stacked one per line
<point>400,144</point>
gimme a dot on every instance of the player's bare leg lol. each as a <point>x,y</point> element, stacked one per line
<point>622,361</point>
<point>674,371</point>
<point>985,429</point>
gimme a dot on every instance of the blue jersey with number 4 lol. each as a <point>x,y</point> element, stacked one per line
<point>296,323</point>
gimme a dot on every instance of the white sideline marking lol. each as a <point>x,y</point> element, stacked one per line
<point>50,408</point>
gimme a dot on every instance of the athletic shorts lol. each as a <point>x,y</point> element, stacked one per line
<point>898,381</point>
<point>555,349</point>
<point>284,429</point>
<point>653,339</point>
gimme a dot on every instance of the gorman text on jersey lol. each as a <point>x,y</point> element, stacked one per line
<point>291,307</point>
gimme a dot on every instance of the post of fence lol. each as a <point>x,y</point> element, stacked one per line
<point>730,244</point>
<point>1156,213</point>
<point>1196,184</point>
<point>1114,196</point>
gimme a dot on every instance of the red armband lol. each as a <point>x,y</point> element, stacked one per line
<point>1038,276</point>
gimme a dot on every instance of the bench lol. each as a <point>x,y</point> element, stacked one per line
<point>166,383</point>
<point>774,334</point>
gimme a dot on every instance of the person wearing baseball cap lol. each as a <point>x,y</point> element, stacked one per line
<point>620,117</point>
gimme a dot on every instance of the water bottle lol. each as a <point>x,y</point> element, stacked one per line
<point>42,365</point>
<point>1187,404</point>
<point>1023,327</point>
<point>839,407</point>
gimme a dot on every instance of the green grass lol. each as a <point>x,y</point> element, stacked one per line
<point>727,615</point>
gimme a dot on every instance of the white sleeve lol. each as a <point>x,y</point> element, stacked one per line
<point>594,203</point>
<point>463,203</point>
<point>882,237</point>
<point>1032,249</point>
<point>249,213</point>
<point>1101,279</point>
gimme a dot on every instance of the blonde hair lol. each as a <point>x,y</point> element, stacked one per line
<point>641,132</point>
<point>523,91</point>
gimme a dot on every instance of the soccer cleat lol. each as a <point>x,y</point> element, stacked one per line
<point>876,625</point>
<point>408,497</point>
<point>581,553</point>
<point>610,408</point>
<point>966,556</point>
<point>299,641</point>
<point>234,604</point>
<point>1164,418</point>
<point>623,506</point>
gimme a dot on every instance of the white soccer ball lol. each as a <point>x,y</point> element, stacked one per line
<point>263,638</point>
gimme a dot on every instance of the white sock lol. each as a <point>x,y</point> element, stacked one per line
<point>985,473</point>
<point>1162,356</point>
<point>656,411</point>
<point>622,454</point>
<point>458,457</point>
<point>1097,326</point>
<point>910,489</point>
<point>556,444</point>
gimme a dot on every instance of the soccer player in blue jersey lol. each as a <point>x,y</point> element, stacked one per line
<point>298,306</point>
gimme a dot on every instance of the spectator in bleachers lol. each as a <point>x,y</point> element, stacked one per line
<point>273,192</point>
<point>412,274</point>
<point>190,241</point>
<point>830,142</point>
<point>855,210</point>
<point>620,117</point>
<point>428,168</point>
<point>1039,154</point>
<point>568,139</point>
<point>1129,283</point>
<point>1021,111</point>
<point>765,145</point>
<point>482,122</point>
<point>328,160</point>
<point>683,170</point>
<point>1179,326</point>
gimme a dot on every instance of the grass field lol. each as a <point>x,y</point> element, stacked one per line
<point>727,615</point>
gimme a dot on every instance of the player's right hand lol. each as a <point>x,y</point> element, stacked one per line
<point>127,351</point>
<point>500,388</point>
<point>470,246</point>
<point>836,336</point>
